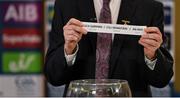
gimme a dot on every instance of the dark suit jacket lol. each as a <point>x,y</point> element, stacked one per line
<point>127,55</point>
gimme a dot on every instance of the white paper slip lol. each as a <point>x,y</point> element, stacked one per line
<point>114,28</point>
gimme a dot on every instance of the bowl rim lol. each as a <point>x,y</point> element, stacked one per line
<point>99,82</point>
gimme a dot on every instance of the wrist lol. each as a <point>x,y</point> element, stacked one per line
<point>69,50</point>
<point>151,57</point>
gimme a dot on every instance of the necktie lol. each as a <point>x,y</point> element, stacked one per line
<point>103,44</point>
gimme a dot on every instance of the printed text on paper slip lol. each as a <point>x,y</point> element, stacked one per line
<point>114,28</point>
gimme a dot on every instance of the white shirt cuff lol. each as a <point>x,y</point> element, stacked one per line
<point>150,64</point>
<point>70,59</point>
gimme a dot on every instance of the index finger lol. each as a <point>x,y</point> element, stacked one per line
<point>74,21</point>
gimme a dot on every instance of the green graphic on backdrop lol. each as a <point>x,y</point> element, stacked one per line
<point>26,62</point>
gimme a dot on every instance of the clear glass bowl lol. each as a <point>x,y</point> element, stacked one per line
<point>99,88</point>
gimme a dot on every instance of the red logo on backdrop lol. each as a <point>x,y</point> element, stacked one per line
<point>22,38</point>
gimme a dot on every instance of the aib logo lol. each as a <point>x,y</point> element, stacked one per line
<point>27,13</point>
<point>22,12</point>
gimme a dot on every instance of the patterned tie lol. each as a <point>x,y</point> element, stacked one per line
<point>103,44</point>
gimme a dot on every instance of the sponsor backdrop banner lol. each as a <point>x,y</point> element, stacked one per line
<point>21,48</point>
<point>26,62</point>
<point>21,85</point>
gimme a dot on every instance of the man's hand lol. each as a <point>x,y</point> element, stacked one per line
<point>151,41</point>
<point>73,32</point>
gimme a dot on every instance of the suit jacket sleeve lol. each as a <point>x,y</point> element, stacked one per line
<point>163,71</point>
<point>56,70</point>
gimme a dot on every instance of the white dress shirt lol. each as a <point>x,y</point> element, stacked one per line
<point>115,7</point>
